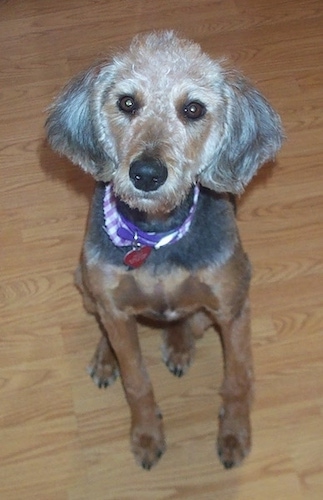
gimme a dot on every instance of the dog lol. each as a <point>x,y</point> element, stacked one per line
<point>170,135</point>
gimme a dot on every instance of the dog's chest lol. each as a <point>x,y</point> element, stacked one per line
<point>167,297</point>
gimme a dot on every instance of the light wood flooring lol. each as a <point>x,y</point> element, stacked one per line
<point>60,437</point>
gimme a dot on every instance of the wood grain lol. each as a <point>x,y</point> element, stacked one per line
<point>63,439</point>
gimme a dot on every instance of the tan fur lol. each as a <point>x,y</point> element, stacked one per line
<point>192,303</point>
<point>221,150</point>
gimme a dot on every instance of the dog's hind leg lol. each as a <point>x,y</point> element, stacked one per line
<point>178,347</point>
<point>199,323</point>
<point>179,337</point>
<point>88,301</point>
<point>103,367</point>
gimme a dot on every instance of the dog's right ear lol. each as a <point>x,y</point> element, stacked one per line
<point>252,134</point>
<point>74,125</point>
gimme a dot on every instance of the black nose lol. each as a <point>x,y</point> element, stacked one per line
<point>148,174</point>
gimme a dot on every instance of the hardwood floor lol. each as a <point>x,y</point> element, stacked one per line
<point>63,439</point>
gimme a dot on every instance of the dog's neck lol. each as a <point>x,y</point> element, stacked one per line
<point>157,221</point>
<point>125,225</point>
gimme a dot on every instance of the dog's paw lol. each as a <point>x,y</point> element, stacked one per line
<point>103,367</point>
<point>177,363</point>
<point>102,375</point>
<point>232,450</point>
<point>178,351</point>
<point>148,444</point>
<point>234,440</point>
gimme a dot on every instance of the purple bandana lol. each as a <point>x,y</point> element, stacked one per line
<point>123,233</point>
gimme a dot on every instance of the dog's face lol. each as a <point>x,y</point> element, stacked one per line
<point>163,119</point>
<point>160,117</point>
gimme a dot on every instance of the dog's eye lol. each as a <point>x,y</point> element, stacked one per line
<point>127,104</point>
<point>194,110</point>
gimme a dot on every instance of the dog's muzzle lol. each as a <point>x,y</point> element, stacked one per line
<point>148,174</point>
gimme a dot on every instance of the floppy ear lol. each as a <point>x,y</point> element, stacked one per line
<point>252,134</point>
<point>74,126</point>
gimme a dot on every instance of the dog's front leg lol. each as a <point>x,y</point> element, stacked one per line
<point>234,438</point>
<point>147,436</point>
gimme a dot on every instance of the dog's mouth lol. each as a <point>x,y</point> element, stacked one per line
<point>150,186</point>
<point>160,220</point>
<point>151,202</point>
<point>157,203</point>
<point>146,187</point>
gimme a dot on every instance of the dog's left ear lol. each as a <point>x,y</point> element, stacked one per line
<point>251,135</point>
<point>75,126</point>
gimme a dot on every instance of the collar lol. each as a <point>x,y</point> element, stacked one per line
<point>122,232</point>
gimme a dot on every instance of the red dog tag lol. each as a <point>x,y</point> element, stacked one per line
<point>135,258</point>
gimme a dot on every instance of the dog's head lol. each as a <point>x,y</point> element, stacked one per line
<point>160,117</point>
